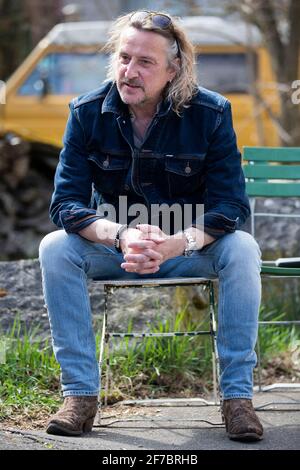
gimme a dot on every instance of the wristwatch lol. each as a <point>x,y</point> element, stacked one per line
<point>191,244</point>
<point>117,241</point>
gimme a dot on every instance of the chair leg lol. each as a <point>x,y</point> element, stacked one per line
<point>259,365</point>
<point>107,380</point>
<point>104,345</point>
<point>101,359</point>
<point>215,356</point>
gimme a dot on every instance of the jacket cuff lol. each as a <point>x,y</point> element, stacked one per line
<point>215,224</point>
<point>75,220</point>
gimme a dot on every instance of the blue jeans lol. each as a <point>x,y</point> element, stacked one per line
<point>67,260</point>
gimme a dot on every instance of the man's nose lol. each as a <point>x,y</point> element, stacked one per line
<point>131,70</point>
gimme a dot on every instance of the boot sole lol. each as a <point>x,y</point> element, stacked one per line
<point>247,437</point>
<point>59,430</point>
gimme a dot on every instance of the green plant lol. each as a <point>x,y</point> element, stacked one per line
<point>274,339</point>
<point>29,374</point>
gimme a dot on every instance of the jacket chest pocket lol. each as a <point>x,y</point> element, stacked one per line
<point>184,173</point>
<point>109,171</point>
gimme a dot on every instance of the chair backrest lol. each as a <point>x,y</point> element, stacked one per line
<point>272,171</point>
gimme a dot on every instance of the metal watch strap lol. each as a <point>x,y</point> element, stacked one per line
<point>117,240</point>
<point>190,244</point>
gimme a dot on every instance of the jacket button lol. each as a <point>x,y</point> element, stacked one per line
<point>187,170</point>
<point>126,187</point>
<point>106,163</point>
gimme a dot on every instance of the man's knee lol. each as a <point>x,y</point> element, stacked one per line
<point>245,241</point>
<point>243,248</point>
<point>52,246</point>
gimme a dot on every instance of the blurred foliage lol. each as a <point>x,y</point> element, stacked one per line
<point>279,24</point>
<point>22,24</point>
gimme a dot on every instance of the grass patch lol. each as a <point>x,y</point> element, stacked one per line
<point>29,376</point>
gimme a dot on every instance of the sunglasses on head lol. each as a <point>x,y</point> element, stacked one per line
<point>159,20</point>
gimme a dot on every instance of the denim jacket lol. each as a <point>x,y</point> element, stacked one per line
<point>188,159</point>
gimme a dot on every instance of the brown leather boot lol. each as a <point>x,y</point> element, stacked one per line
<point>241,422</point>
<point>75,417</point>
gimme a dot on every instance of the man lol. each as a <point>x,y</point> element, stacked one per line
<point>150,134</point>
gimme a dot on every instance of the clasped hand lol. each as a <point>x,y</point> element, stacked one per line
<point>146,247</point>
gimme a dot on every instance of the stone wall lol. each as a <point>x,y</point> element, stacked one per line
<point>21,297</point>
<point>277,237</point>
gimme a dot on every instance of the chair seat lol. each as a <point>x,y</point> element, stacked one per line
<point>151,282</point>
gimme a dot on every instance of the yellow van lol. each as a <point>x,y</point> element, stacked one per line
<point>69,62</point>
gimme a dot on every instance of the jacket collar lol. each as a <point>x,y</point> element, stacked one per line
<point>113,104</point>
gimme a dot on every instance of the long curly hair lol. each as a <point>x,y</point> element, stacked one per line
<point>184,85</point>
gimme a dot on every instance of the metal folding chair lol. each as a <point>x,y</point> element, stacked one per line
<point>272,172</point>
<point>110,287</point>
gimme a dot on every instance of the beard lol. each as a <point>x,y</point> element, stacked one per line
<point>133,94</point>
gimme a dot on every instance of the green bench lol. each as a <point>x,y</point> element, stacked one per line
<point>273,172</point>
